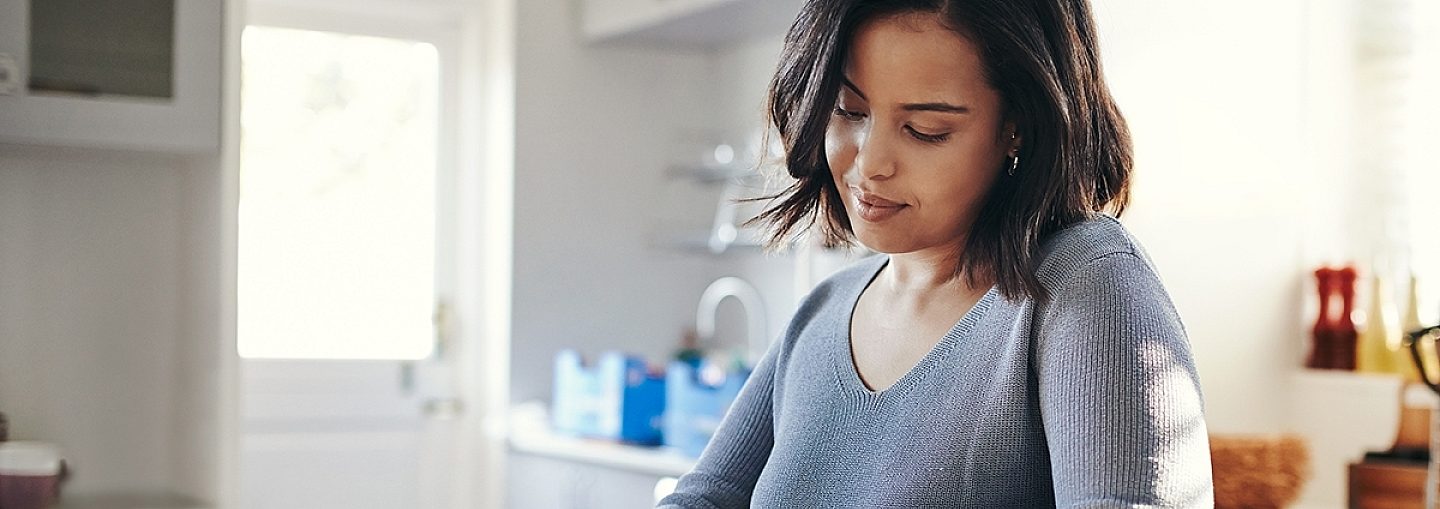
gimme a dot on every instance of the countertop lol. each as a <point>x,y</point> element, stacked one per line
<point>130,501</point>
<point>530,433</point>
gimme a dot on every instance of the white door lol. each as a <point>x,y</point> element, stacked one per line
<point>349,399</point>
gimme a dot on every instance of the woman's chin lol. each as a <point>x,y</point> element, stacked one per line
<point>881,242</point>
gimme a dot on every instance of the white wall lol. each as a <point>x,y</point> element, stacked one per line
<point>1219,151</point>
<point>590,136</point>
<point>204,375</point>
<point>743,72</point>
<point>101,322</point>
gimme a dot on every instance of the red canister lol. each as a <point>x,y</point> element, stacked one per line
<point>29,475</point>
<point>1333,336</point>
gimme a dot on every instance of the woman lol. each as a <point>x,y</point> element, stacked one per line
<point>1013,345</point>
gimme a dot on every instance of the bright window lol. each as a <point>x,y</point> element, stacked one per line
<point>337,195</point>
<point>1420,140</point>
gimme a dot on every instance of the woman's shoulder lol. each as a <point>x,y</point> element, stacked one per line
<point>1065,251</point>
<point>1099,276</point>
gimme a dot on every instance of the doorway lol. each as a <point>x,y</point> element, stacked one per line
<point>350,389</point>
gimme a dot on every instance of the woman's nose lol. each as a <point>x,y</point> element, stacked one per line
<point>874,156</point>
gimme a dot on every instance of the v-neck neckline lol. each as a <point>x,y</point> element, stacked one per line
<point>844,355</point>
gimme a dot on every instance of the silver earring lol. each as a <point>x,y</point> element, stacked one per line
<point>1014,163</point>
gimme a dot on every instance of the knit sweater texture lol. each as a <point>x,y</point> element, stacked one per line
<point>1090,400</point>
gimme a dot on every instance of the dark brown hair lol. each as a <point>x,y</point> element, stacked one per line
<point>1042,57</point>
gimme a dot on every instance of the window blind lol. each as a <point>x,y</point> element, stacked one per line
<point>1398,135</point>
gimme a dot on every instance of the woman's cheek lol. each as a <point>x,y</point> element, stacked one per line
<point>839,151</point>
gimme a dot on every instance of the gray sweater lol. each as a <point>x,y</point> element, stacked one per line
<point>1089,401</point>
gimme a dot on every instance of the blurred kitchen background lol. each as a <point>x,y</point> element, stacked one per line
<point>380,253</point>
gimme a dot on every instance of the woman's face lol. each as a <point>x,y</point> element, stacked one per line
<point>917,137</point>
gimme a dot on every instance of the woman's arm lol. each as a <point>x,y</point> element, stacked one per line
<point>1119,394</point>
<point>725,474</point>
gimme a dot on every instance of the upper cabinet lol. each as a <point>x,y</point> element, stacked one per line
<point>138,74</point>
<point>686,23</point>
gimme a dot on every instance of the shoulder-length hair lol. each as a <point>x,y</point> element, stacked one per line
<point>1042,57</point>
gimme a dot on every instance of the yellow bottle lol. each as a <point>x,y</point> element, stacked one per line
<point>1411,323</point>
<point>1379,343</point>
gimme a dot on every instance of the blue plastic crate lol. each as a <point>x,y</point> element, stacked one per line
<point>694,407</point>
<point>616,399</point>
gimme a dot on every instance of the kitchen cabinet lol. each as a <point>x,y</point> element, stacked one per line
<point>138,75</point>
<point>551,470</point>
<point>539,481</point>
<point>684,23</point>
<point>1380,484</point>
<point>1341,415</point>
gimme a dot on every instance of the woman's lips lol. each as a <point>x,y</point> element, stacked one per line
<point>873,208</point>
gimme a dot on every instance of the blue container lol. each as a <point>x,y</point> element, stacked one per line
<point>694,406</point>
<point>616,399</point>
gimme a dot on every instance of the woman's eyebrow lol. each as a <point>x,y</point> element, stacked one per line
<point>930,106</point>
<point>853,88</point>
<point>940,107</point>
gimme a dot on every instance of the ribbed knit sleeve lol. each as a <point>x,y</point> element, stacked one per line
<point>724,476</point>
<point>1119,395</point>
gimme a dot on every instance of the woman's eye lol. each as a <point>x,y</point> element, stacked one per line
<point>852,116</point>
<point>925,137</point>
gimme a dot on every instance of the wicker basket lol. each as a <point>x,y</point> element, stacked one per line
<point>1258,472</point>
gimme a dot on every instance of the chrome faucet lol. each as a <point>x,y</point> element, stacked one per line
<point>749,299</point>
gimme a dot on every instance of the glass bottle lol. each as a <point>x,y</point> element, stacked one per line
<point>1412,323</point>
<point>690,352</point>
<point>1379,349</point>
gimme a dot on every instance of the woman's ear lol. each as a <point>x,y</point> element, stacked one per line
<point>1011,139</point>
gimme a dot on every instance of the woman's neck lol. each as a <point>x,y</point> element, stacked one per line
<point>927,271</point>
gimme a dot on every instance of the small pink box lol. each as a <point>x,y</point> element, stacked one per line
<point>29,475</point>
